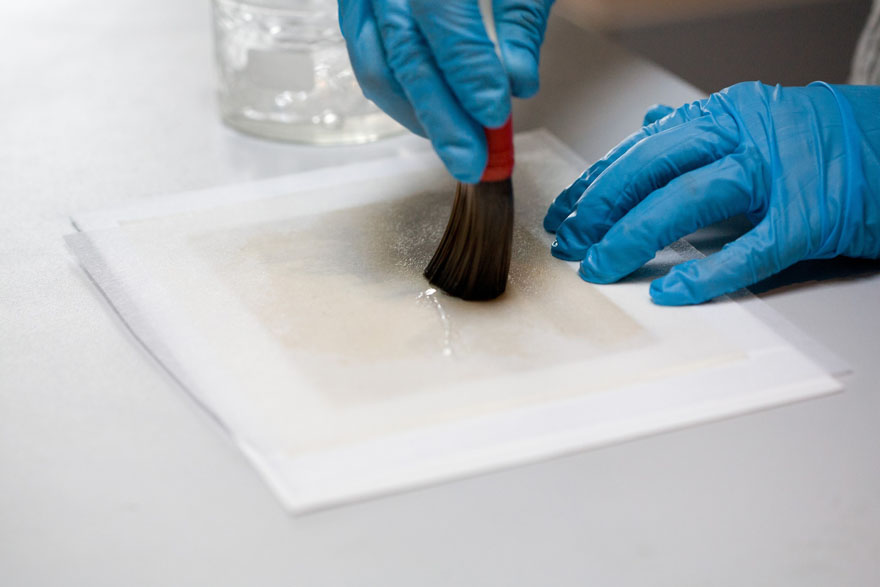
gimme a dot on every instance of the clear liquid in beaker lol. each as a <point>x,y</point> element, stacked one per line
<point>285,74</point>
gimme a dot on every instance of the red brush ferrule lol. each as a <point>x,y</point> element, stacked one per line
<point>499,166</point>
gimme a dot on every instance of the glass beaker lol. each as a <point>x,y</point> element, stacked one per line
<point>284,73</point>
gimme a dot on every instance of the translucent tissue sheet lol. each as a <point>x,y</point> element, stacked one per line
<point>295,311</point>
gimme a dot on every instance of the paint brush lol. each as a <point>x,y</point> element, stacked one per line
<point>473,258</point>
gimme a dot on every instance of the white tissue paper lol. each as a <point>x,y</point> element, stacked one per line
<point>294,310</point>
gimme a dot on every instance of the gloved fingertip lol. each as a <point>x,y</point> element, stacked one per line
<point>561,252</point>
<point>664,294</point>
<point>497,115</point>
<point>593,270</point>
<point>465,162</point>
<point>676,288</point>
<point>465,173</point>
<point>656,112</point>
<point>522,70</point>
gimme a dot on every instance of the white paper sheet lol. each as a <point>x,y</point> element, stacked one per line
<point>294,310</point>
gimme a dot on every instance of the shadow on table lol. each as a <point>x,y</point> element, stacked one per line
<point>809,273</point>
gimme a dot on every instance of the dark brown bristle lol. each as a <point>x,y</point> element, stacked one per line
<point>473,258</point>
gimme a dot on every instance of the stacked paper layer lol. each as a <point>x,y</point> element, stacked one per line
<point>294,310</point>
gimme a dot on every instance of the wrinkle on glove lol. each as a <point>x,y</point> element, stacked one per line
<point>432,67</point>
<point>802,163</point>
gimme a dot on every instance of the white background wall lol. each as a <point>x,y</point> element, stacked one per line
<point>714,44</point>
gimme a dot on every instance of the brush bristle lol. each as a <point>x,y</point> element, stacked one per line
<point>473,258</point>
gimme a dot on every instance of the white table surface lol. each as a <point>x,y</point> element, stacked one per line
<point>110,475</point>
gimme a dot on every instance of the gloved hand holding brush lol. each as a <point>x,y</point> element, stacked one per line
<point>431,65</point>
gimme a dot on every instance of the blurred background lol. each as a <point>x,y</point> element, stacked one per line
<point>716,43</point>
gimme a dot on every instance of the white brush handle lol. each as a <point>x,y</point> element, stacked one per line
<point>499,164</point>
<point>489,23</point>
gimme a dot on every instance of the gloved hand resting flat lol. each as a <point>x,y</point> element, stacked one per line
<point>802,163</point>
<point>431,65</point>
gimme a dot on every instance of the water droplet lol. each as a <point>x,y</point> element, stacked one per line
<point>430,297</point>
<point>330,119</point>
<point>283,99</point>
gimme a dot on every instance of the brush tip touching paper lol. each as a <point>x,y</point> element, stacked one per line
<point>473,258</point>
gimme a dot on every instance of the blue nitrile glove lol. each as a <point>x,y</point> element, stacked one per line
<point>802,163</point>
<point>431,65</point>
